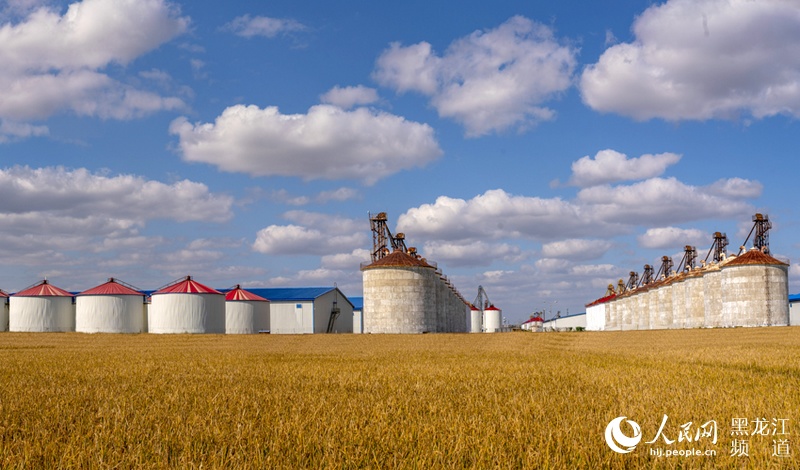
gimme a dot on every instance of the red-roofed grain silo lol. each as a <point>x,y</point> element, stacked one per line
<point>245,312</point>
<point>40,308</point>
<point>110,308</point>
<point>186,306</point>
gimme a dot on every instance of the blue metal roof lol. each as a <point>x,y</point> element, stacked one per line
<point>794,297</point>
<point>279,294</point>
<point>358,302</point>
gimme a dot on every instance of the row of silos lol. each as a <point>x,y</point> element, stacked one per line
<point>405,294</point>
<point>184,306</point>
<point>488,320</point>
<point>748,290</point>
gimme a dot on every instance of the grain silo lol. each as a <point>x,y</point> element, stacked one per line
<point>41,308</point>
<point>112,307</point>
<point>186,306</point>
<point>755,290</point>
<point>475,319</point>
<point>399,294</point>
<point>245,312</point>
<point>492,319</point>
<point>712,296</point>
<point>695,305</point>
<point>3,311</point>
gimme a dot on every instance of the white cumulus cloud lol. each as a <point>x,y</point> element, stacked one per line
<point>576,249</point>
<point>53,62</point>
<point>249,26</point>
<point>347,97</point>
<point>702,59</point>
<point>609,166</point>
<point>670,237</point>
<point>488,81</point>
<point>326,143</point>
<point>311,233</point>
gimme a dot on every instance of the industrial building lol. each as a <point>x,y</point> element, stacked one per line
<point>113,307</point>
<point>307,310</point>
<point>405,293</point>
<point>574,322</point>
<point>748,289</point>
<point>42,307</point>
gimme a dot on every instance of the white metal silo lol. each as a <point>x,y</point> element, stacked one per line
<point>112,307</point>
<point>475,319</point>
<point>399,294</point>
<point>4,311</point>
<point>755,291</point>
<point>493,319</point>
<point>41,308</point>
<point>186,306</point>
<point>245,312</point>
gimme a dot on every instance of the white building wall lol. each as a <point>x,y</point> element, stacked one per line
<point>596,317</point>
<point>322,306</point>
<point>358,322</point>
<point>572,321</point>
<point>794,313</point>
<point>110,314</point>
<point>291,317</point>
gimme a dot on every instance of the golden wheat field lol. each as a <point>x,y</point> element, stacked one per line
<point>508,400</point>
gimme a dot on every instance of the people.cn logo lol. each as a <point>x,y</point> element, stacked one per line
<point>617,440</point>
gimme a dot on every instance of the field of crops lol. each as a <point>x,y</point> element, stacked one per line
<point>508,400</point>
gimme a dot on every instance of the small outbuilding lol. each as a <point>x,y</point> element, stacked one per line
<point>186,306</point>
<point>113,307</point>
<point>42,307</point>
<point>306,310</point>
<point>358,314</point>
<point>245,312</point>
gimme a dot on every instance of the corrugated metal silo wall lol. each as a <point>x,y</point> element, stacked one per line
<point>109,314</point>
<point>41,314</point>
<point>4,315</point>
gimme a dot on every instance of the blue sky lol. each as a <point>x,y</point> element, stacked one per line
<point>540,149</point>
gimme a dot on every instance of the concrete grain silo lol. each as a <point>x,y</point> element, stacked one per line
<point>110,308</point>
<point>42,308</point>
<point>664,317</point>
<point>399,295</point>
<point>678,290</point>
<point>642,308</point>
<point>3,311</point>
<point>695,305</point>
<point>755,290</point>
<point>186,306</point>
<point>652,305</point>
<point>712,296</point>
<point>245,312</point>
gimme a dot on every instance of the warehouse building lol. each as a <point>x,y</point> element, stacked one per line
<point>307,310</point>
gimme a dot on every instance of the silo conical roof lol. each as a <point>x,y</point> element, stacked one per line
<point>112,287</point>
<point>187,286</point>
<point>754,256</point>
<point>398,259</point>
<point>43,289</point>
<point>238,293</point>
<point>3,293</point>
